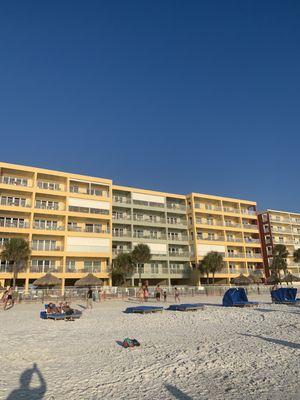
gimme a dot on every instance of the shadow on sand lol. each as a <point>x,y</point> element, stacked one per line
<point>281,342</point>
<point>25,392</point>
<point>177,393</point>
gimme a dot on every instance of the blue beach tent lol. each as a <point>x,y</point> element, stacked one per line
<point>237,297</point>
<point>284,295</point>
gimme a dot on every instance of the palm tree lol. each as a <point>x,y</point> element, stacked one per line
<point>279,262</point>
<point>141,255</point>
<point>204,268</point>
<point>213,262</point>
<point>123,266</point>
<point>17,251</point>
<point>297,256</point>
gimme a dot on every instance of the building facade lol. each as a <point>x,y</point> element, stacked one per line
<point>280,227</point>
<point>228,226</point>
<point>158,220</point>
<point>65,217</point>
<point>77,224</point>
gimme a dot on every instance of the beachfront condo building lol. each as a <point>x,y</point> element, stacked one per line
<point>77,224</point>
<point>65,217</point>
<point>280,227</point>
<point>158,220</point>
<point>228,226</point>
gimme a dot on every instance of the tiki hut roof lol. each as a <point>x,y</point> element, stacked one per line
<point>47,281</point>
<point>290,278</point>
<point>89,280</point>
<point>241,280</point>
<point>272,280</point>
<point>256,277</point>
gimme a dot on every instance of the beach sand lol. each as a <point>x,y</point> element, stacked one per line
<point>217,353</point>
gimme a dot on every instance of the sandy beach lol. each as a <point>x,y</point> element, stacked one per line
<point>217,353</point>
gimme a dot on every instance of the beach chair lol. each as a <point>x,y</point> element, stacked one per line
<point>237,297</point>
<point>143,310</point>
<point>285,296</point>
<point>186,307</point>
<point>60,316</point>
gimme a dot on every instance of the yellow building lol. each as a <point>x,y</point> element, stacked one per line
<point>65,217</point>
<point>228,226</point>
<point>76,224</point>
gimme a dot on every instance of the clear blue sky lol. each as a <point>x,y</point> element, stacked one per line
<point>177,96</point>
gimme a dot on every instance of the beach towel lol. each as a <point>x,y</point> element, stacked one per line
<point>127,342</point>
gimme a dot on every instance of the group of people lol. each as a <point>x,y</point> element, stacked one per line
<point>159,293</point>
<point>62,308</point>
<point>8,298</point>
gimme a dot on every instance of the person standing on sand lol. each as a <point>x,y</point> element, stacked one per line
<point>176,294</point>
<point>8,298</point>
<point>89,303</point>
<point>140,294</point>
<point>165,295</point>
<point>146,293</point>
<point>157,293</point>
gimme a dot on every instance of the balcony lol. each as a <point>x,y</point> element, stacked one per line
<point>234,240</point>
<point>208,207</point>
<point>16,224</point>
<point>120,251</point>
<point>7,201</point>
<point>54,207</point>
<point>9,269</point>
<point>279,219</point>
<point>86,210</point>
<point>149,236</point>
<point>277,229</point>
<point>250,226</point>
<point>97,192</point>
<point>46,248</point>
<point>148,204</point>
<point>253,255</point>
<point>149,220</point>
<point>176,207</point>
<point>179,222</point>
<point>121,217</point>
<point>48,185</point>
<point>252,240</point>
<point>231,210</point>
<point>8,180</point>
<point>212,239</point>
<point>96,229</point>
<point>177,254</point>
<point>46,268</point>
<point>48,227</point>
<point>182,238</point>
<point>121,200</point>
<point>235,255</point>
<point>200,221</point>
<point>250,212</point>
<point>122,234</point>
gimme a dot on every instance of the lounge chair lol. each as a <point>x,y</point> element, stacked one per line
<point>143,310</point>
<point>237,297</point>
<point>285,296</point>
<point>186,307</point>
<point>60,316</point>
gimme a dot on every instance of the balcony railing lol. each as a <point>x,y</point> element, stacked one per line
<point>179,254</point>
<point>46,248</point>
<point>179,222</point>
<point>122,234</point>
<point>48,227</point>
<point>145,219</point>
<point>45,268</point>
<point>17,224</point>
<point>14,181</point>
<point>181,238</point>
<point>95,229</point>
<point>87,210</point>
<point>149,236</point>
<point>48,185</point>
<point>231,210</point>
<point>280,219</point>
<point>10,269</point>
<point>250,226</point>
<point>47,207</point>
<point>120,251</point>
<point>148,203</point>
<point>121,200</point>
<point>173,206</point>
<point>17,203</point>
<point>252,240</point>
<point>250,212</point>
<point>237,240</point>
<point>121,218</point>
<point>212,239</point>
<point>97,192</point>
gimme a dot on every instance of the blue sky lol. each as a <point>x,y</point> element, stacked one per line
<point>177,96</point>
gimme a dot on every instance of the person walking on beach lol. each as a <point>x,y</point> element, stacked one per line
<point>89,298</point>
<point>157,293</point>
<point>8,298</point>
<point>165,295</point>
<point>176,294</point>
<point>146,293</point>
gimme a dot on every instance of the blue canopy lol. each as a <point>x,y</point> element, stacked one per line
<point>284,295</point>
<point>235,297</point>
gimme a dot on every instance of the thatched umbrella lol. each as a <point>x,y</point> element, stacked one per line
<point>256,277</point>
<point>241,280</point>
<point>47,280</point>
<point>272,280</point>
<point>89,280</point>
<point>290,278</point>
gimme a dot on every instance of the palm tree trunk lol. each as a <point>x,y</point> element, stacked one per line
<point>15,273</point>
<point>213,278</point>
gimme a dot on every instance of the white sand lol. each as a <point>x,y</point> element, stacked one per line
<point>218,353</point>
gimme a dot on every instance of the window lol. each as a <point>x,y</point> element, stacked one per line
<point>154,268</point>
<point>15,181</point>
<point>70,265</point>
<point>46,204</point>
<point>74,189</point>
